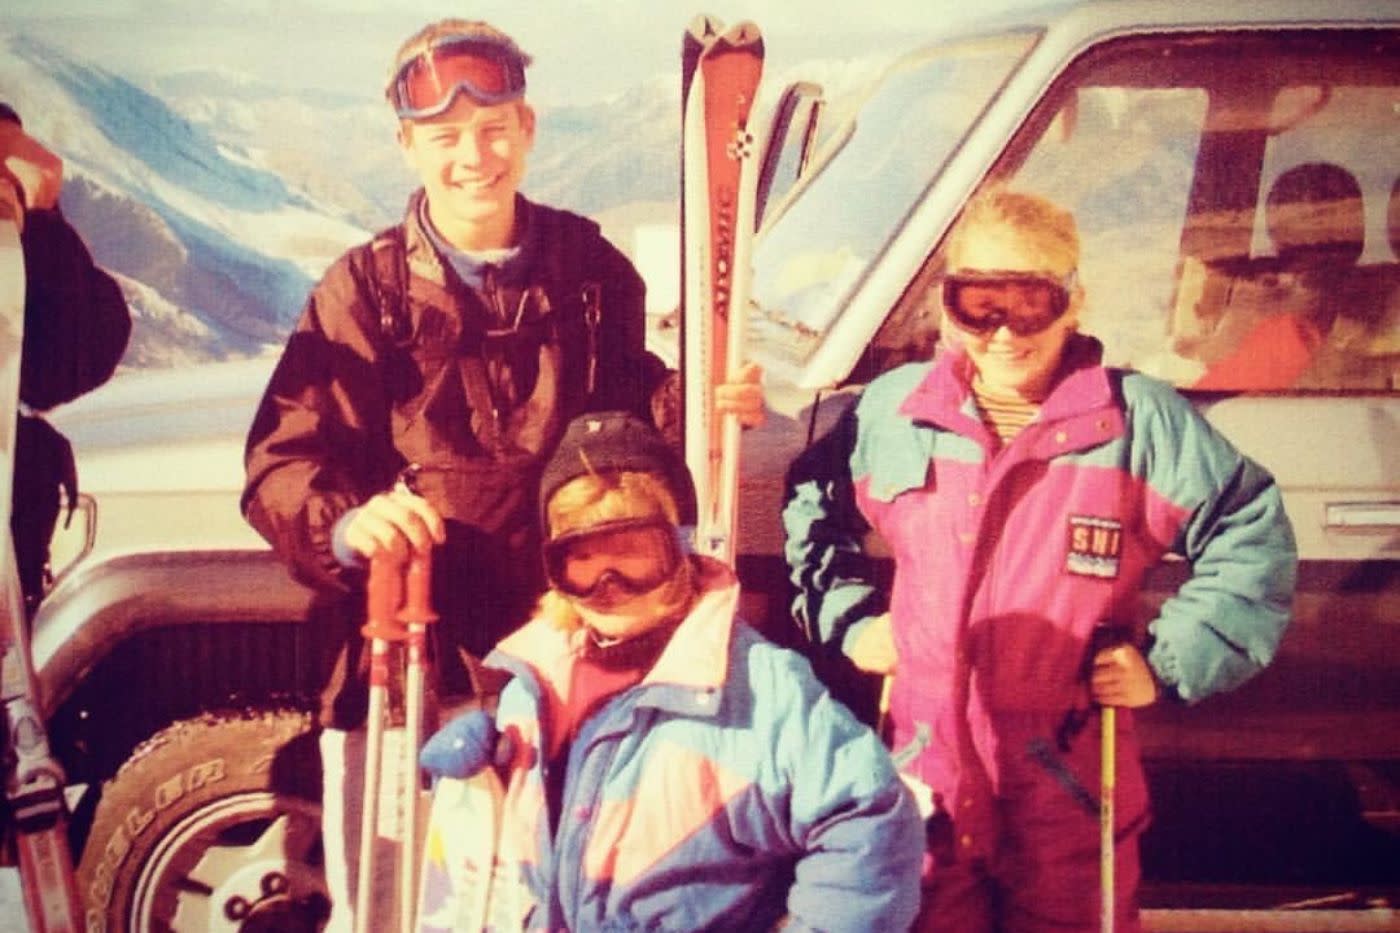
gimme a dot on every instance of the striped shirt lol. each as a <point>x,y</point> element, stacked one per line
<point>1005,413</point>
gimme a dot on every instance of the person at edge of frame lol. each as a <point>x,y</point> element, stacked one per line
<point>430,374</point>
<point>1024,490</point>
<point>76,328</point>
<point>664,765</point>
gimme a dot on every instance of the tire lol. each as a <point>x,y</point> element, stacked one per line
<point>213,824</point>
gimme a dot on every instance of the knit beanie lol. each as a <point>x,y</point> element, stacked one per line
<point>614,442</point>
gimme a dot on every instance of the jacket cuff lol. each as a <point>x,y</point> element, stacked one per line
<point>345,555</point>
<point>1165,667</point>
<point>321,565</point>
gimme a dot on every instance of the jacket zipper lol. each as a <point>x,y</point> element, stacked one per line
<point>591,760</point>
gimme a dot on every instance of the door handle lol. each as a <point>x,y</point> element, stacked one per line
<point>1362,515</point>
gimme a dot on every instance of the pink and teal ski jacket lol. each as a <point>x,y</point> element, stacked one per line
<point>725,791</point>
<point>1005,560</point>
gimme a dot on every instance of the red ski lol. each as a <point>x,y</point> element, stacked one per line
<point>719,180</point>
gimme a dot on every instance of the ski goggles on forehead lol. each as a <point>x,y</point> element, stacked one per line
<point>486,71</point>
<point>636,555</point>
<point>1025,303</point>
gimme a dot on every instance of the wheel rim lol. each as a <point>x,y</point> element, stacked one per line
<point>246,862</point>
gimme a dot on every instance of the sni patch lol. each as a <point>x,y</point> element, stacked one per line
<point>1095,546</point>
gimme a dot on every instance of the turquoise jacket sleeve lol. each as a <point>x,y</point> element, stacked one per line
<point>1226,621</point>
<point>834,578</point>
<point>850,817</point>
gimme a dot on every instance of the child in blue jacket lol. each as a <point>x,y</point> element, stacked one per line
<point>665,767</point>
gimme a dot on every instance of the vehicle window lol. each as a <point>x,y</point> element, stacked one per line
<point>866,179</point>
<point>1236,203</point>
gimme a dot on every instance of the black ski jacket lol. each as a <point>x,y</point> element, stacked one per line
<point>76,327</point>
<point>396,362</point>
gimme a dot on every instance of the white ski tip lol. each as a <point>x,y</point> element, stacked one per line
<point>705,27</point>
<point>745,33</point>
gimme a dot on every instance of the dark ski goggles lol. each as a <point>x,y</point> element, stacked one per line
<point>483,69</point>
<point>636,555</point>
<point>1025,303</point>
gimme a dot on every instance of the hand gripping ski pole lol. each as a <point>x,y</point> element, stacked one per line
<point>383,630</point>
<point>417,614</point>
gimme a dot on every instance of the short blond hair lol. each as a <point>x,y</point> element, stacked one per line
<point>1046,227</point>
<point>595,498</point>
<point>429,35</point>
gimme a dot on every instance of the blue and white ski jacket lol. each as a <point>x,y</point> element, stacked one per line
<point>726,791</point>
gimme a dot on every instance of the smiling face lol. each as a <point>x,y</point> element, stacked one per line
<point>988,241</point>
<point>471,161</point>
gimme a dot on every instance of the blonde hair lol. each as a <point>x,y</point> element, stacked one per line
<point>1044,226</point>
<point>594,498</point>
<point>427,37</point>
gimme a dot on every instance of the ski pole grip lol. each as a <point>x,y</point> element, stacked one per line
<point>418,584</point>
<point>1106,634</point>
<point>383,597</point>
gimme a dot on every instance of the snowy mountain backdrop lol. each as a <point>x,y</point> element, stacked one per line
<point>217,199</point>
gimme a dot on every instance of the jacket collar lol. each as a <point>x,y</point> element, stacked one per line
<point>698,654</point>
<point>426,259</point>
<point>696,658</point>
<point>423,260</point>
<point>944,396</point>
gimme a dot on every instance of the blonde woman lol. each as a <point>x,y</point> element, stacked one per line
<point>1024,490</point>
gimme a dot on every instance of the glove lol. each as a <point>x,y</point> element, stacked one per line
<point>462,747</point>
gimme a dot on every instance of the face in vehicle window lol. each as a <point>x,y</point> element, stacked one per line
<point>1235,202</point>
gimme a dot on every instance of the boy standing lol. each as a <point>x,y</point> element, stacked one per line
<point>433,370</point>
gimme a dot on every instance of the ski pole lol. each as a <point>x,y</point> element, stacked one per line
<point>417,614</point>
<point>1108,779</point>
<point>882,713</point>
<point>381,628</point>
<point>1106,635</point>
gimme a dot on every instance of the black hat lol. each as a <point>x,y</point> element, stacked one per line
<point>616,441</point>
